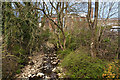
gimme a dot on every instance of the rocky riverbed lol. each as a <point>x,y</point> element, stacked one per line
<point>42,66</point>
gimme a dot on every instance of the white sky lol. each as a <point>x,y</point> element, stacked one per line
<point>59,0</point>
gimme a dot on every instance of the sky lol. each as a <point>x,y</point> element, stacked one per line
<point>59,0</point>
<point>106,10</point>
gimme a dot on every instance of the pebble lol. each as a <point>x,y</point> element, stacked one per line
<point>54,63</point>
<point>45,61</point>
<point>59,74</point>
<point>47,77</point>
<point>54,54</point>
<point>40,75</point>
<point>29,75</point>
<point>32,69</point>
<point>33,75</point>
<point>54,69</point>
<point>59,68</point>
<point>31,63</point>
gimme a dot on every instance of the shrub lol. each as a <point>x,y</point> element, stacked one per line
<point>45,35</point>
<point>112,70</point>
<point>80,65</point>
<point>21,61</point>
<point>63,53</point>
<point>78,38</point>
<point>18,51</point>
<point>18,71</point>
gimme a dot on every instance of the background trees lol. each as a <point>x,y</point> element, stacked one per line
<point>60,9</point>
<point>24,33</point>
<point>21,33</point>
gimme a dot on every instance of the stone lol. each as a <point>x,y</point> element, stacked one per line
<point>34,66</point>
<point>33,75</point>
<point>54,69</point>
<point>23,75</point>
<point>45,58</point>
<point>29,72</point>
<point>44,61</point>
<point>47,77</point>
<point>46,55</point>
<point>31,63</point>
<point>59,74</point>
<point>34,61</point>
<point>55,62</point>
<point>59,68</point>
<point>29,75</point>
<point>30,57</point>
<point>40,75</point>
<point>63,73</point>
<point>54,54</point>
<point>51,58</point>
<point>32,69</point>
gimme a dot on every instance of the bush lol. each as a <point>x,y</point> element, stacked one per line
<point>9,67</point>
<point>63,53</point>
<point>81,65</point>
<point>18,71</point>
<point>78,38</point>
<point>112,70</point>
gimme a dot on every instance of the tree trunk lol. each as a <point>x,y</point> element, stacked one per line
<point>64,39</point>
<point>92,26</point>
<point>93,44</point>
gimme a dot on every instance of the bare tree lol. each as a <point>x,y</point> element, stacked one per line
<point>58,8</point>
<point>78,7</point>
<point>106,11</point>
<point>92,26</point>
